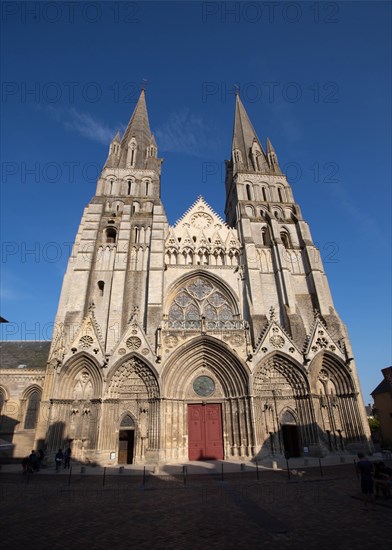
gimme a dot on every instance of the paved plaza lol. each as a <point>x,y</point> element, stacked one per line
<point>167,511</point>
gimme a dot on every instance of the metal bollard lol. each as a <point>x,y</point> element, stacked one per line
<point>121,470</point>
<point>83,469</point>
<point>184,473</point>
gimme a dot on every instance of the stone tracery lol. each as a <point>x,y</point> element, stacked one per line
<point>200,299</point>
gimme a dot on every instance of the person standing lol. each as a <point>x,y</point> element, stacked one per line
<point>365,470</point>
<point>58,459</point>
<point>67,457</point>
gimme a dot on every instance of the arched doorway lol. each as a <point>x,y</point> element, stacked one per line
<point>290,435</point>
<point>126,440</point>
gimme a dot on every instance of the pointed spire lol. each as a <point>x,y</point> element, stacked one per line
<point>272,157</point>
<point>270,148</point>
<point>137,136</point>
<point>117,137</point>
<point>248,153</point>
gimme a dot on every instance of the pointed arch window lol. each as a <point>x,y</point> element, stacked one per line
<point>285,239</point>
<point>249,195</point>
<point>281,194</point>
<point>265,236</point>
<point>200,299</point>
<point>32,409</point>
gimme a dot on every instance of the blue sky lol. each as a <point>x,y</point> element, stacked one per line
<point>314,78</point>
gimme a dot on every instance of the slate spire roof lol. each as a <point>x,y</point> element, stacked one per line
<point>245,137</point>
<point>139,126</point>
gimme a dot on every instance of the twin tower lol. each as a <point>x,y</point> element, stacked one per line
<point>209,339</point>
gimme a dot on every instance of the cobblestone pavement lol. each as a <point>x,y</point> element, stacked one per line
<point>313,511</point>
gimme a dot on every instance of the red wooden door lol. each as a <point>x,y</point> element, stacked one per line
<point>205,432</point>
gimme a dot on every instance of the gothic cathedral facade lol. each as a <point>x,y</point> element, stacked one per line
<point>208,339</point>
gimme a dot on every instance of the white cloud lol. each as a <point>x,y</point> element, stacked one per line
<point>187,133</point>
<point>81,123</point>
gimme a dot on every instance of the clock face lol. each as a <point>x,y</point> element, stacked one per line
<point>204,386</point>
<point>201,220</point>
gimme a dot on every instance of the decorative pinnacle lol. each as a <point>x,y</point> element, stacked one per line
<point>272,314</point>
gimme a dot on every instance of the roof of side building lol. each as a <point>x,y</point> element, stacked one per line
<point>24,354</point>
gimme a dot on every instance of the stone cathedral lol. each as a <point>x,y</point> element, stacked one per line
<point>208,339</point>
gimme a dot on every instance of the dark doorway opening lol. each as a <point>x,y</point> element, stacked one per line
<point>126,446</point>
<point>291,440</point>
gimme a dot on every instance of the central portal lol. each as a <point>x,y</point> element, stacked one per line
<point>205,432</point>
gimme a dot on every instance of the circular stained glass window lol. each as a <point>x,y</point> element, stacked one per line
<point>204,386</point>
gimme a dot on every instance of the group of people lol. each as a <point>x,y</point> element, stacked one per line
<point>376,479</point>
<point>33,462</point>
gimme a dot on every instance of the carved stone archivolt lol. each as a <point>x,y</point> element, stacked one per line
<point>133,379</point>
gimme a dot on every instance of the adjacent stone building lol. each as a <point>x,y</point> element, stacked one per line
<point>382,396</point>
<point>207,339</point>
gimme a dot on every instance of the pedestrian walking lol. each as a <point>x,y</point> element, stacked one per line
<point>33,460</point>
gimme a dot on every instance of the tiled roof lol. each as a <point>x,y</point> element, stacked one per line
<point>383,387</point>
<point>32,354</point>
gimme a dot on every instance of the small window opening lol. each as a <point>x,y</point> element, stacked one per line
<point>111,235</point>
<point>101,286</point>
<point>285,240</point>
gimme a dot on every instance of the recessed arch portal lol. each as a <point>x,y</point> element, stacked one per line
<point>210,354</point>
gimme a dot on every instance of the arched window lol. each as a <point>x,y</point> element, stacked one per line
<point>264,194</point>
<point>111,187</point>
<point>280,193</point>
<point>129,182</point>
<point>132,157</point>
<point>285,239</point>
<point>248,192</point>
<point>264,236</point>
<point>200,299</point>
<point>32,409</point>
<point>111,235</point>
<point>137,235</point>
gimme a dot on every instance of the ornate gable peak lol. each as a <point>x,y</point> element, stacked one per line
<point>232,240</point>
<point>171,239</point>
<point>88,338</point>
<point>275,338</point>
<point>216,240</point>
<point>200,215</point>
<point>320,339</point>
<point>134,339</point>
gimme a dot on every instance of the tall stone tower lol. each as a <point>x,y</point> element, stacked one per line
<point>207,339</point>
